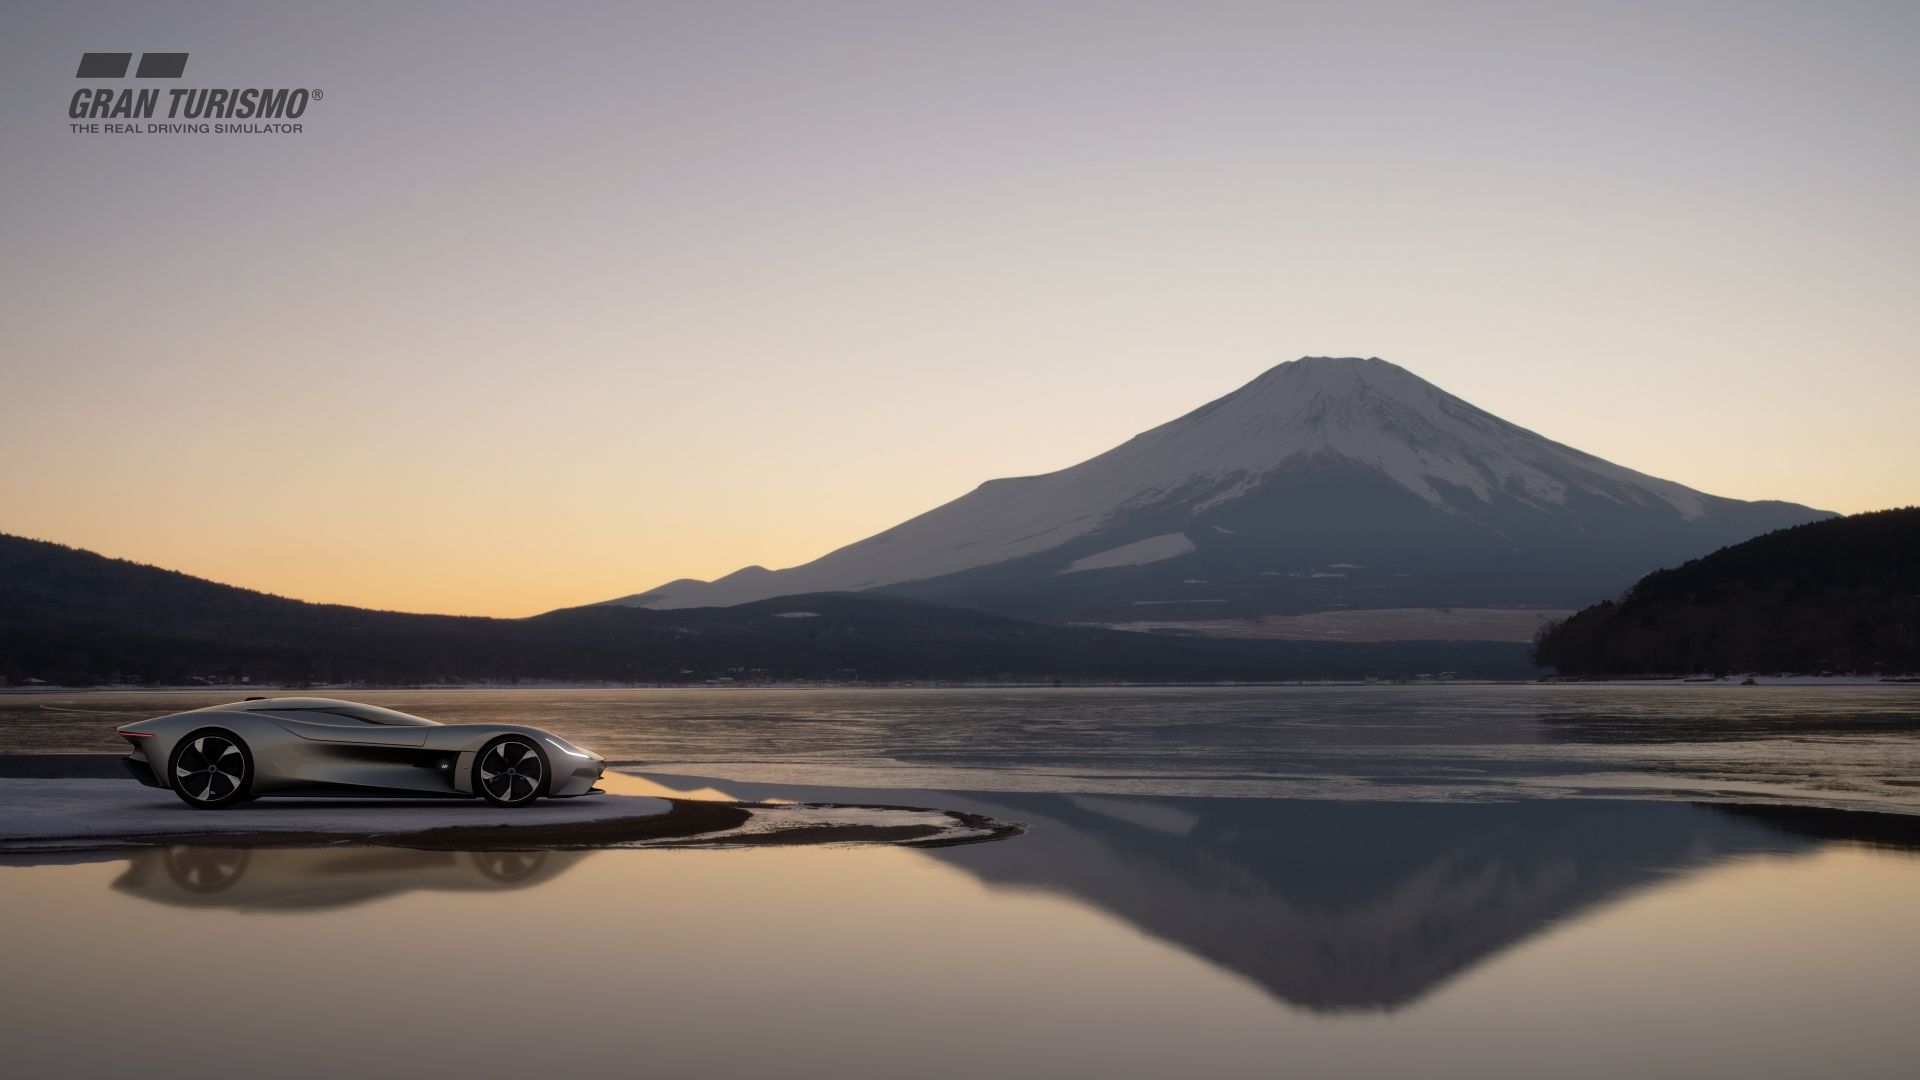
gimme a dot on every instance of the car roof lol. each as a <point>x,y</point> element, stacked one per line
<point>372,713</point>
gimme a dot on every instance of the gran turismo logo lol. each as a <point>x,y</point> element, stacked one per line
<point>186,110</point>
<point>113,65</point>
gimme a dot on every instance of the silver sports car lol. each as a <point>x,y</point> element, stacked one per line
<point>224,754</point>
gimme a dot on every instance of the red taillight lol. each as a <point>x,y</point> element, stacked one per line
<point>136,734</point>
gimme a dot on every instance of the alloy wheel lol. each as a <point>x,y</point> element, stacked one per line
<point>511,772</point>
<point>210,769</point>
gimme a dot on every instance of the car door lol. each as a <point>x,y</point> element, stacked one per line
<point>345,752</point>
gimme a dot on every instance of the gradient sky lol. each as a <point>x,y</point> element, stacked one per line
<point>554,302</point>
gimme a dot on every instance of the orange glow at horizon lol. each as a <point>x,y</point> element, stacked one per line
<point>711,291</point>
<point>493,538</point>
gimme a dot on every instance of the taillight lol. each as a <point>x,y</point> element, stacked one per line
<point>136,734</point>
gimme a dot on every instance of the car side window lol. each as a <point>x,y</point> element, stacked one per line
<point>325,716</point>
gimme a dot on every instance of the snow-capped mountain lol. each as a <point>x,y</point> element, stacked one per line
<point>1323,484</point>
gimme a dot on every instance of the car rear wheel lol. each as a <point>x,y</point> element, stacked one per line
<point>210,769</point>
<point>510,771</point>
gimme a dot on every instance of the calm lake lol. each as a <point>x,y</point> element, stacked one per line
<point>1834,745</point>
<point>1433,881</point>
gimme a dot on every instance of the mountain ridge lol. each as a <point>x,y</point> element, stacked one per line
<point>73,617</point>
<point>1267,485</point>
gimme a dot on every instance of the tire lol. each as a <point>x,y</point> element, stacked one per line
<point>211,769</point>
<point>205,871</point>
<point>510,771</point>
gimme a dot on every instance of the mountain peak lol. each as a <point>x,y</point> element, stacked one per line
<point>1336,373</point>
<point>1371,413</point>
<point>1291,389</point>
<point>1341,366</point>
<point>1322,444</point>
<point>1324,362</point>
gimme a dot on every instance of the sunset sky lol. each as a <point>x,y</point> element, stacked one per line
<point>554,302</point>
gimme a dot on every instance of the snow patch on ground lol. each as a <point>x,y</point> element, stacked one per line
<point>46,810</point>
<point>1139,553</point>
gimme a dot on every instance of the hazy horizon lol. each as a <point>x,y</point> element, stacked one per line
<point>548,306</point>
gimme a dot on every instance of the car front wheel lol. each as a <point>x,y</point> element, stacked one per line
<point>510,771</point>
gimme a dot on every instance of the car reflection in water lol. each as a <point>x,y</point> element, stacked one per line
<point>308,879</point>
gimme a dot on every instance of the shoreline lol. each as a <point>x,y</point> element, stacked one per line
<point>731,823</point>
<point>690,823</point>
<point>685,823</point>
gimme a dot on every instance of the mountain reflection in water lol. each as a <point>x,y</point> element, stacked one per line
<point>1359,906</point>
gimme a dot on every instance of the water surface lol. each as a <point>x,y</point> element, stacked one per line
<point>1123,937</point>
<point>1832,745</point>
<point>1511,881</point>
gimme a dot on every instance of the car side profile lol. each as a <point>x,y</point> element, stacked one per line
<point>308,746</point>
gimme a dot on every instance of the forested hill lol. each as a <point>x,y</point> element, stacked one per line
<point>1841,595</point>
<point>71,617</point>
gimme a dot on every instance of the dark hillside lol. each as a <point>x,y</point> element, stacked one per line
<point>1841,595</point>
<point>72,617</point>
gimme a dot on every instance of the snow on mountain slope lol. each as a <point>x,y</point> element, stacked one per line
<point>1138,553</point>
<point>1368,416</point>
